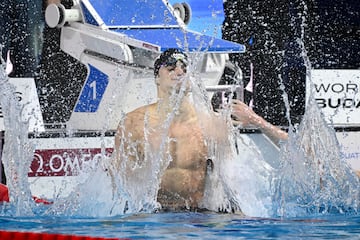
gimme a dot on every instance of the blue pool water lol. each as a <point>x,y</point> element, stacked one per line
<point>192,226</point>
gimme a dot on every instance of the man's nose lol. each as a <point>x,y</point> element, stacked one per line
<point>179,71</point>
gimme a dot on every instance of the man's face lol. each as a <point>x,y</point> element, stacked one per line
<point>171,76</point>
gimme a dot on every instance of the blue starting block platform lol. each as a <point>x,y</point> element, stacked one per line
<point>153,22</point>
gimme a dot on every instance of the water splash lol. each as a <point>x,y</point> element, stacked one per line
<point>126,186</point>
<point>240,174</point>
<point>312,177</point>
<point>17,151</point>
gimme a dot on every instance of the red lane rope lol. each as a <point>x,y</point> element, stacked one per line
<point>9,235</point>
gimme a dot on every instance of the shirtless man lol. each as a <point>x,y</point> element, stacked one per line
<point>183,181</point>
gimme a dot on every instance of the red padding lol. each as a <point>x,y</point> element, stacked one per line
<point>4,196</point>
<point>41,200</point>
<point>6,235</point>
<point>4,193</point>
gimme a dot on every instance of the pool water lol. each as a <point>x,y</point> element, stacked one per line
<point>191,225</point>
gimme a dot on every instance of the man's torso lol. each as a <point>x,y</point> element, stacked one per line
<point>183,182</point>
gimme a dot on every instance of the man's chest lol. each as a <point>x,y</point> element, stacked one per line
<point>187,145</point>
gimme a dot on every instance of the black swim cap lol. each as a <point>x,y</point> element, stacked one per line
<point>169,58</point>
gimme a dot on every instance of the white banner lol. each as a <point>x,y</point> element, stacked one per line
<point>336,92</point>
<point>350,148</point>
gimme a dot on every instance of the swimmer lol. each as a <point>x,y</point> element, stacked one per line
<point>183,182</point>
